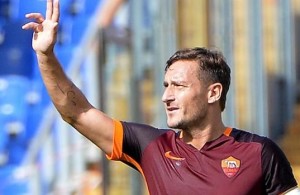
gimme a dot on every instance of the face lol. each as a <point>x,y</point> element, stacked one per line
<point>185,97</point>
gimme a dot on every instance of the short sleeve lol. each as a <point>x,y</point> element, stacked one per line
<point>278,174</point>
<point>117,142</point>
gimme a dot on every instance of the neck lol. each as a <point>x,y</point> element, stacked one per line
<point>198,137</point>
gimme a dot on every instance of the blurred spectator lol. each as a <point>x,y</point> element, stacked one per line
<point>92,180</point>
<point>108,12</point>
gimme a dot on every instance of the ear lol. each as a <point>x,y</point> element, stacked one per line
<point>214,92</point>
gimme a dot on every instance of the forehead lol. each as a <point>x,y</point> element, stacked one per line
<point>183,69</point>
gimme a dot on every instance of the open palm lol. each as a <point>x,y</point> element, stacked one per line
<point>45,29</point>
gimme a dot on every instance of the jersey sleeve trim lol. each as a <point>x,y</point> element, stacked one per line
<point>117,142</point>
<point>227,131</point>
<point>117,153</point>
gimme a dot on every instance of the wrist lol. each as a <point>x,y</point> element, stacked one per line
<point>45,54</point>
<point>46,58</point>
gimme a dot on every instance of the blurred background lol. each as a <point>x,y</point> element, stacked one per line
<point>115,51</point>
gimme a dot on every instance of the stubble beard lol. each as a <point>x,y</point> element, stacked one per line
<point>183,125</point>
<point>193,122</point>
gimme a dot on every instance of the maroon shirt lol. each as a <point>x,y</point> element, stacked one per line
<point>237,162</point>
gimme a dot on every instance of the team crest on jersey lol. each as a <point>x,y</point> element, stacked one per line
<point>230,166</point>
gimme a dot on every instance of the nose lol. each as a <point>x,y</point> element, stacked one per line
<point>167,95</point>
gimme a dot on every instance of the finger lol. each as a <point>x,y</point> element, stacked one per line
<point>31,25</point>
<point>37,16</point>
<point>55,14</point>
<point>49,9</point>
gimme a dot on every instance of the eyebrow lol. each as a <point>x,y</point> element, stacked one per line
<point>165,83</point>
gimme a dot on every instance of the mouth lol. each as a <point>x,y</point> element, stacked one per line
<point>171,109</point>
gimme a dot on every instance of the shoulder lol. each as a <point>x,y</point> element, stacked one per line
<point>246,136</point>
<point>144,129</point>
<point>268,146</point>
<point>142,134</point>
<point>276,169</point>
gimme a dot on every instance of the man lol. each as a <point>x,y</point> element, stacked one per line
<point>203,157</point>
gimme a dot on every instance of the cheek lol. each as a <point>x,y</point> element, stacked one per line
<point>191,98</point>
<point>196,101</point>
<point>196,98</point>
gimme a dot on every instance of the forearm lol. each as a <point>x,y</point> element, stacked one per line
<point>66,97</point>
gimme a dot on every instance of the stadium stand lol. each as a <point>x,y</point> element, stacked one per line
<point>3,143</point>
<point>12,181</point>
<point>14,109</point>
<point>4,9</point>
<point>15,60</point>
<point>72,28</point>
<point>15,50</point>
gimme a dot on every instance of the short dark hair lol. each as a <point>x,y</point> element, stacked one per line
<point>211,62</point>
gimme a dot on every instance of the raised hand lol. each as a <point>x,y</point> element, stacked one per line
<point>45,29</point>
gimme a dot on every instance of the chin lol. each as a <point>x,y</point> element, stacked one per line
<point>170,124</point>
<point>173,125</point>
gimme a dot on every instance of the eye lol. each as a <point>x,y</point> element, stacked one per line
<point>178,85</point>
<point>165,84</point>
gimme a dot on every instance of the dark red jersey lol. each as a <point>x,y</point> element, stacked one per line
<point>236,163</point>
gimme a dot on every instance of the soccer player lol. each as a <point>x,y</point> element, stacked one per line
<point>202,157</point>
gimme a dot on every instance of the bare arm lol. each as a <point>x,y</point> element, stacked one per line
<point>67,98</point>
